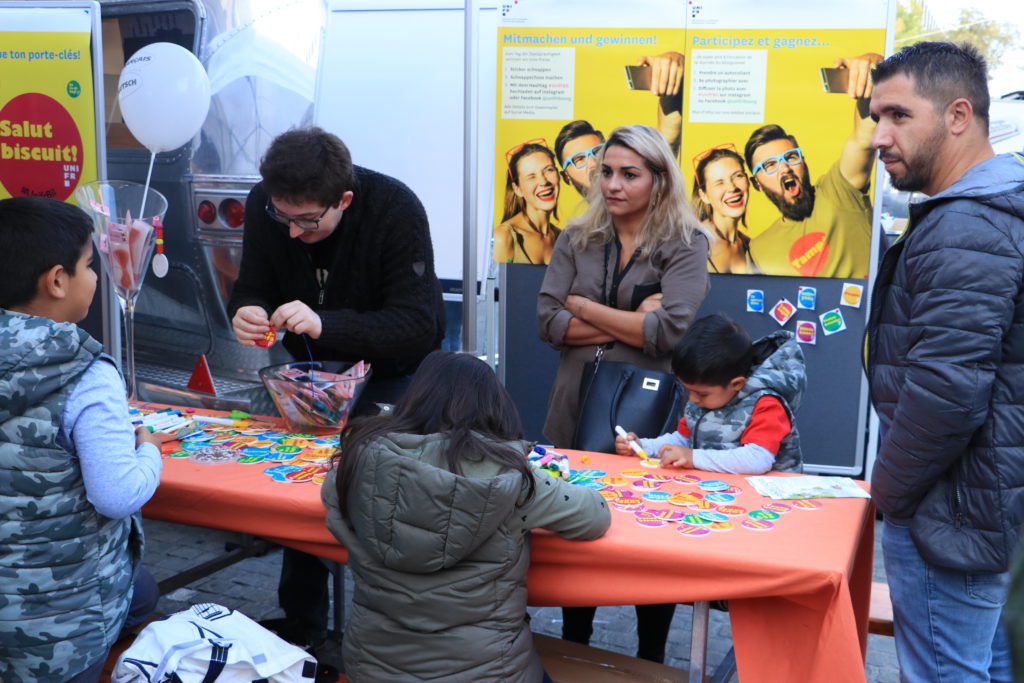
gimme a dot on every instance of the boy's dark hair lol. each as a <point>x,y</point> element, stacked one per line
<point>762,136</point>
<point>571,131</point>
<point>307,165</point>
<point>942,72</point>
<point>713,352</point>
<point>37,234</point>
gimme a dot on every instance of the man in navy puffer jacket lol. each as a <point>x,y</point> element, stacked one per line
<point>945,358</point>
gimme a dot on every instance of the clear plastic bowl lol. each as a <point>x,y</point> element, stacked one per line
<point>318,395</point>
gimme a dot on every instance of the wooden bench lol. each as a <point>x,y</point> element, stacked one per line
<point>568,662</point>
<point>880,615</point>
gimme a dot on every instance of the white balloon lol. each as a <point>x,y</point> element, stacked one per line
<point>164,94</point>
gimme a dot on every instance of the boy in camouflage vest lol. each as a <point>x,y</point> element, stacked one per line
<point>743,398</point>
<point>73,475</point>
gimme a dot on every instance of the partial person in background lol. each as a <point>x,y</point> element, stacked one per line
<point>527,232</point>
<point>440,567</point>
<point>73,475</point>
<point>825,228</point>
<point>627,276</point>
<point>340,257</point>
<point>719,197</point>
<point>945,360</point>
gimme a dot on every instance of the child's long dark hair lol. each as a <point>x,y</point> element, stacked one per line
<point>453,394</point>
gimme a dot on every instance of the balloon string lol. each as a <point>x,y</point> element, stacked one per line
<point>145,189</point>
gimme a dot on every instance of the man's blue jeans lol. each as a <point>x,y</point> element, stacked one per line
<point>947,623</point>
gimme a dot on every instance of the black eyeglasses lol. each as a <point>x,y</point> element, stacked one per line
<point>309,224</point>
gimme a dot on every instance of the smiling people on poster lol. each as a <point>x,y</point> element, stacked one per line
<point>527,233</point>
<point>720,193</point>
<point>628,275</point>
<point>825,228</point>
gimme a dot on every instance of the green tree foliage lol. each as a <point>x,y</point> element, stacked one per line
<point>990,36</point>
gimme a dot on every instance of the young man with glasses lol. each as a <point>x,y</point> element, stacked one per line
<point>825,228</point>
<point>340,257</point>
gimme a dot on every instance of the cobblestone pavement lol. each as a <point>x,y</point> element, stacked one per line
<point>250,586</point>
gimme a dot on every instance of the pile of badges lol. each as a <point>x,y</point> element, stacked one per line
<point>703,506</point>
<point>287,457</point>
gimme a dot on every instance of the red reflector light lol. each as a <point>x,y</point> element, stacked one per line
<point>232,212</point>
<point>207,212</point>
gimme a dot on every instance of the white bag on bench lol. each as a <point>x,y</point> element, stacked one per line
<point>207,643</point>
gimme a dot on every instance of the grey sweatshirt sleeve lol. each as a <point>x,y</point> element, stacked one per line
<point>119,478</point>
<point>570,511</point>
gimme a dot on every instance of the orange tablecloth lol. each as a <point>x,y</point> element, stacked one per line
<point>798,594</point>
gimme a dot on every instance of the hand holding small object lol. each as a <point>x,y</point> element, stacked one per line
<point>630,442</point>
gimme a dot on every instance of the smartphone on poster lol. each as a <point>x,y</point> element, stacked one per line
<point>835,80</point>
<point>638,77</point>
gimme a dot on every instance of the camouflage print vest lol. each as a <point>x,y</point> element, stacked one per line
<point>65,570</point>
<point>778,371</point>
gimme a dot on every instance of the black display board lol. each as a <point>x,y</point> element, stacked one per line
<point>833,415</point>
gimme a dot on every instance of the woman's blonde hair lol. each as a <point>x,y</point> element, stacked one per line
<point>669,216</point>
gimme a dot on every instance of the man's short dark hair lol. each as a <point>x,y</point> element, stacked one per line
<point>37,234</point>
<point>941,72</point>
<point>571,131</point>
<point>714,351</point>
<point>762,136</point>
<point>307,165</point>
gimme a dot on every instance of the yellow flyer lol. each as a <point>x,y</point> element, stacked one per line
<point>47,110</point>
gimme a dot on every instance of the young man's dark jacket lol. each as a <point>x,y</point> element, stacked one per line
<point>946,365</point>
<point>381,301</point>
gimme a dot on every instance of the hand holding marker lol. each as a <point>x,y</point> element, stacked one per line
<point>633,443</point>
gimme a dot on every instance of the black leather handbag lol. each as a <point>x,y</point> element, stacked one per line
<point>645,402</point>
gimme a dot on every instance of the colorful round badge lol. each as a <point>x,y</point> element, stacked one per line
<point>713,485</point>
<point>805,504</point>
<point>733,490</point>
<point>757,524</point>
<point>667,515</point>
<point>609,494</point>
<point>687,478</point>
<point>763,515</point>
<point>691,530</point>
<point>589,474</point>
<point>719,497</point>
<point>645,485</point>
<point>627,503</point>
<point>649,521</point>
<point>591,484</point>
<point>281,469</point>
<point>178,454</point>
<point>695,519</point>
<point>713,516</point>
<point>633,473</point>
<point>274,456</point>
<point>684,498</point>
<point>721,526</point>
<point>780,508</point>
<point>614,481</point>
<point>300,435</point>
<point>732,510</point>
<point>319,479</point>
<point>651,462</point>
<point>286,449</point>
<point>703,505</point>
<point>657,496</point>
<point>250,459</point>
<point>654,476</point>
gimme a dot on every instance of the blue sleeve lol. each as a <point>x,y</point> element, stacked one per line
<point>746,459</point>
<point>652,446</point>
<point>119,478</point>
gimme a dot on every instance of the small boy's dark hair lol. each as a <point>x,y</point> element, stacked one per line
<point>37,234</point>
<point>713,352</point>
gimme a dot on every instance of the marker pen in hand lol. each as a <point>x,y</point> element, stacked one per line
<point>633,443</point>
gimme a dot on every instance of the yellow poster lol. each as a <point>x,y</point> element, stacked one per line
<point>776,148</point>
<point>47,112</point>
<point>560,92</point>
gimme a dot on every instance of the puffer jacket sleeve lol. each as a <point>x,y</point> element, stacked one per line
<point>573,512</point>
<point>962,275</point>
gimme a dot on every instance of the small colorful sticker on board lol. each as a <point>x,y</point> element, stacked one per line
<point>807,332</point>
<point>807,298</point>
<point>782,311</point>
<point>757,524</point>
<point>805,504</point>
<point>755,301</point>
<point>832,321</point>
<point>691,530</point>
<point>852,295</point>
